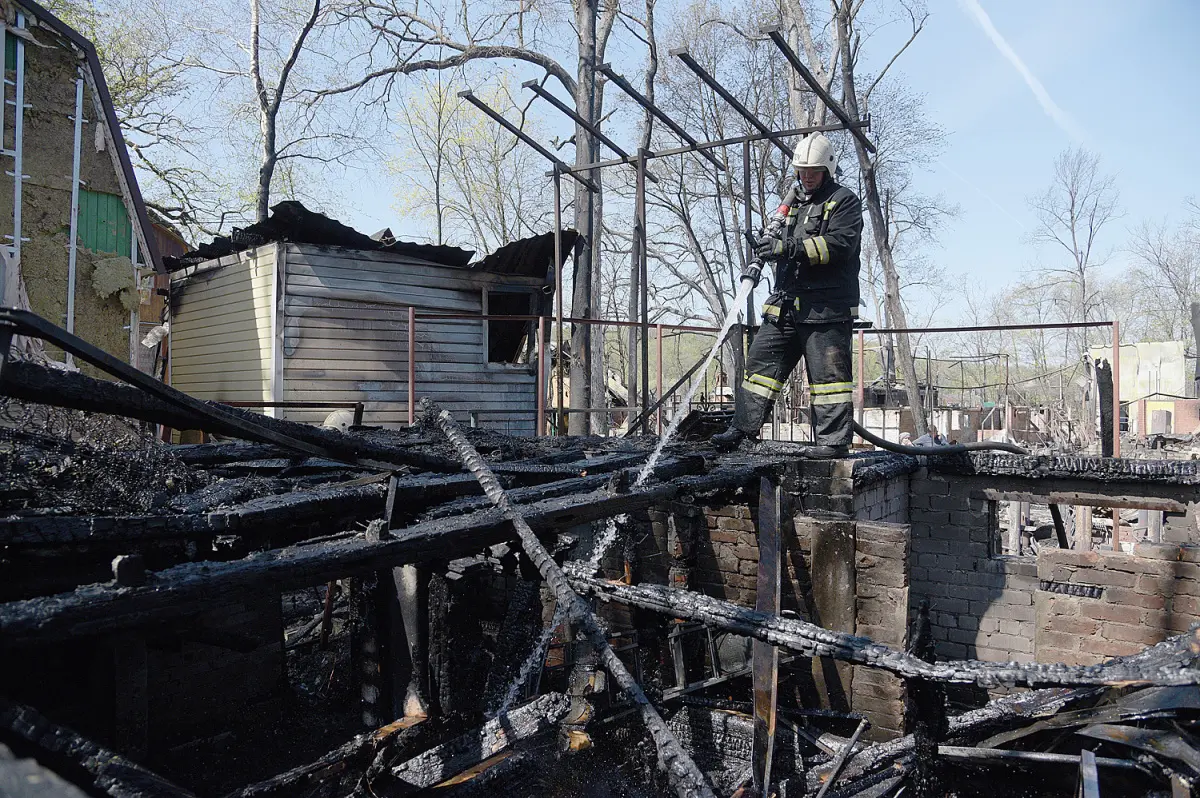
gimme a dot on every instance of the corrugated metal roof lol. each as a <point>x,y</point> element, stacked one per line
<point>291,221</point>
<point>530,257</point>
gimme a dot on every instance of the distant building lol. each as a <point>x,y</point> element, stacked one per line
<point>58,122</point>
<point>1157,390</point>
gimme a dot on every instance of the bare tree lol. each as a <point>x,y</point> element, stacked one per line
<point>1077,205</point>
<point>269,97</point>
<point>407,40</point>
<point>1166,278</point>
<point>849,42</point>
<point>484,190</point>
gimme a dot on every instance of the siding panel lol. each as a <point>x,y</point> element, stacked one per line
<point>346,338</point>
<point>221,330</point>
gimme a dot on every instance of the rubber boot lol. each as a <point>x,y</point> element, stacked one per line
<point>728,440</point>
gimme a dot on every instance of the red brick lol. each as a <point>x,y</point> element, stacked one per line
<point>1048,654</point>
<point>1066,642</point>
<point>1073,626</point>
<point>1142,635</point>
<point>1076,559</point>
<point>1056,604</point>
<point>1131,598</point>
<point>1186,605</point>
<point>1103,611</point>
<point>1109,648</point>
<point>717,536</point>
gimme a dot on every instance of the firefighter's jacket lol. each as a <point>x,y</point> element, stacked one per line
<point>821,283</point>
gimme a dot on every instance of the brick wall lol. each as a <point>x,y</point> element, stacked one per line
<point>981,606</point>
<point>883,500</point>
<point>1117,604</point>
<point>881,567</point>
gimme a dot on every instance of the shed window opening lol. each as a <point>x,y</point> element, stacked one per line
<point>509,341</point>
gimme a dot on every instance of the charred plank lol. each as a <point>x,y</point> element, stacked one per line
<point>26,730</point>
<point>184,589</point>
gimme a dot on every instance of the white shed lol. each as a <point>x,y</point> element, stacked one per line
<point>296,322</point>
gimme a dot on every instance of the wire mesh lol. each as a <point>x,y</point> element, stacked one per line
<point>55,461</point>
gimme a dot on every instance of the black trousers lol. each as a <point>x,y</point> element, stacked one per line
<point>775,352</point>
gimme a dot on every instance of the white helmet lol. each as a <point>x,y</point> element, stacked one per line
<point>815,151</point>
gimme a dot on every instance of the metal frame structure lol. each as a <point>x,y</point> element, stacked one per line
<point>1116,359</point>
<point>703,149</point>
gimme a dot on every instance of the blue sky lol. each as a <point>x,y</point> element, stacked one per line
<point>1119,78</point>
<point>1124,76</point>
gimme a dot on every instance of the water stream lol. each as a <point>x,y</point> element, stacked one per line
<point>536,658</point>
<point>592,564</point>
<point>589,566</point>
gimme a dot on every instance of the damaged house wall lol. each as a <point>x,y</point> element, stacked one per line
<point>308,323</point>
<point>105,291</point>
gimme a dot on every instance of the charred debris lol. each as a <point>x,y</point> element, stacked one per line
<point>295,610</point>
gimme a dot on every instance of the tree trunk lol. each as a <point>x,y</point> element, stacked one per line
<point>879,229</point>
<point>266,121</point>
<point>582,298</point>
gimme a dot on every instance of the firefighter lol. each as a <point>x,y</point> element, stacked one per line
<point>815,250</point>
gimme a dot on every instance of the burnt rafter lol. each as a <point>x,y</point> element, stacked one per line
<point>685,777</point>
<point>185,589</point>
<point>814,641</point>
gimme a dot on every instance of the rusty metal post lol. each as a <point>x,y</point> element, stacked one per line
<point>862,386</point>
<point>558,302</point>
<point>765,657</point>
<point>1116,377</point>
<point>541,378</point>
<point>640,243</point>
<point>747,189</point>
<point>412,365</point>
<point>658,333</point>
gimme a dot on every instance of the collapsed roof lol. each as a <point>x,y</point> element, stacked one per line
<point>290,221</point>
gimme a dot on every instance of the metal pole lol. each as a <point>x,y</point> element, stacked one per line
<point>558,300</point>
<point>72,244</point>
<point>541,379</point>
<point>683,55</point>
<point>412,365</point>
<point>747,189</point>
<point>661,115</point>
<point>815,85</point>
<point>640,243</point>
<point>658,334</point>
<point>134,315</point>
<point>1116,409</point>
<point>862,388</point>
<point>18,143</point>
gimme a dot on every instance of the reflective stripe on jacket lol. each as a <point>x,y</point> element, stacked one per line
<point>823,277</point>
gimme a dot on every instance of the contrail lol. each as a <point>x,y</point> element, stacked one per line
<point>1052,109</point>
<point>981,193</point>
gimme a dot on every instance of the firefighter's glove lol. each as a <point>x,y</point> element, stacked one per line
<point>753,271</point>
<point>770,248</point>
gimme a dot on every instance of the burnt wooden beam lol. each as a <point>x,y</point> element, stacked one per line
<point>813,641</point>
<point>495,736</point>
<point>256,518</point>
<point>33,383</point>
<point>185,589</point>
<point>685,777</point>
<point>1089,499</point>
<point>84,762</point>
<point>765,657</point>
<point>349,758</point>
<point>1079,467</point>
